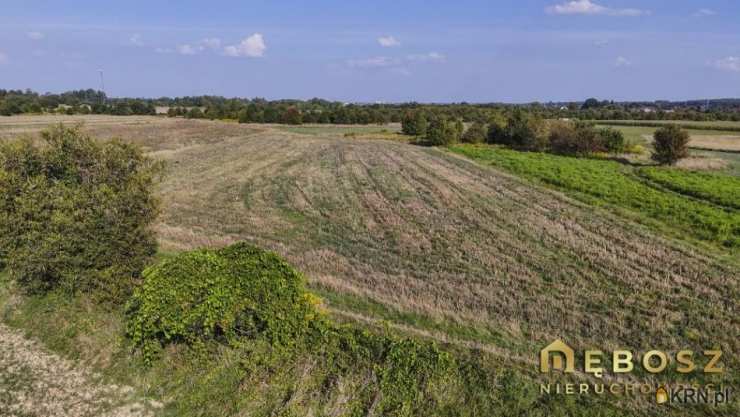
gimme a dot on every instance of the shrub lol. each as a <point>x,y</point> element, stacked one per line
<point>238,291</point>
<point>476,133</point>
<point>671,144</point>
<point>75,213</point>
<point>581,139</point>
<point>442,131</point>
<point>562,135</point>
<point>525,131</point>
<point>577,139</point>
<point>414,124</point>
<point>613,140</point>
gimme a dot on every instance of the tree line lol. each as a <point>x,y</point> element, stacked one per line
<point>260,110</point>
<point>525,131</point>
<point>72,102</point>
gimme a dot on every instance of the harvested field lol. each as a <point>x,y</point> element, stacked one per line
<point>424,232</point>
<point>17,125</point>
<point>716,143</point>
<point>725,143</point>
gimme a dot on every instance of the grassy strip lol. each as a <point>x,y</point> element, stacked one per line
<point>685,125</point>
<point>720,189</point>
<point>361,373</point>
<point>610,183</point>
<point>462,332</point>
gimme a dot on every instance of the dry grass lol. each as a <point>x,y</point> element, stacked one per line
<point>716,143</point>
<point>34,382</point>
<point>727,143</point>
<point>419,230</point>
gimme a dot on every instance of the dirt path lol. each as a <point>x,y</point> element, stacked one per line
<point>34,382</point>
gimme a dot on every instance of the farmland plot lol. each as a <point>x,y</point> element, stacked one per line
<point>436,242</point>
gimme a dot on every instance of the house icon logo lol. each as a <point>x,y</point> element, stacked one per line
<point>557,355</point>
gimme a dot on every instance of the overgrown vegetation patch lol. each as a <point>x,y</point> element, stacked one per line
<point>239,291</point>
<point>721,189</point>
<point>603,182</point>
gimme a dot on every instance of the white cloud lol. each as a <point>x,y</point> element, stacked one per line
<point>388,41</point>
<point>193,49</point>
<point>211,43</point>
<point>3,58</point>
<point>731,63</point>
<point>401,71</point>
<point>135,40</point>
<point>622,62</point>
<point>37,36</point>
<point>253,47</point>
<point>430,57</point>
<point>396,65</point>
<point>375,62</point>
<point>187,49</point>
<point>586,7</point>
<point>704,13</point>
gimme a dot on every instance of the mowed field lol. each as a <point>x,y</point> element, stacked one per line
<point>700,139</point>
<point>431,242</point>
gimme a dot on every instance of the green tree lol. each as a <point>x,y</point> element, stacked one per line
<point>671,143</point>
<point>195,113</point>
<point>526,131</point>
<point>414,123</point>
<point>591,103</point>
<point>292,116</point>
<point>442,131</point>
<point>476,133</point>
<point>75,213</point>
<point>497,125</point>
<point>612,139</point>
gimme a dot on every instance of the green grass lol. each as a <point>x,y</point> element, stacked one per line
<point>720,189</point>
<point>611,184</point>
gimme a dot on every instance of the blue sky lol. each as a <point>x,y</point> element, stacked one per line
<point>430,51</point>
